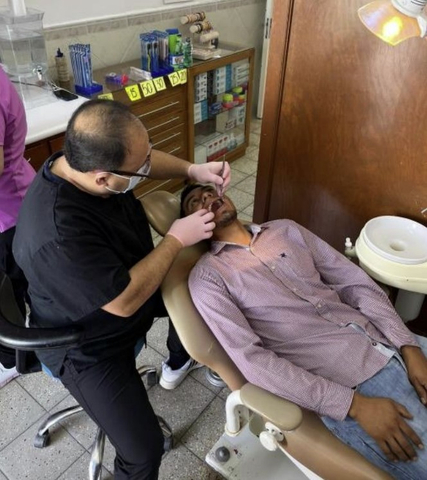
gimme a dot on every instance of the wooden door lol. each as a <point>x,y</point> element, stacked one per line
<point>344,134</point>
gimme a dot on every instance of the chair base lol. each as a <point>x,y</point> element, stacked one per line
<point>214,379</point>
<point>42,438</point>
<point>249,460</point>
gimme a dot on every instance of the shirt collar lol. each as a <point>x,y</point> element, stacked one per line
<point>255,229</point>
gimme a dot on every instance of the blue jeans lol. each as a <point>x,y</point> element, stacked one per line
<point>391,382</point>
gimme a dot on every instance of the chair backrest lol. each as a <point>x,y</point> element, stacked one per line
<point>311,444</point>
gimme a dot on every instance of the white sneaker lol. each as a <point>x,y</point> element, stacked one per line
<point>170,379</point>
<point>6,375</point>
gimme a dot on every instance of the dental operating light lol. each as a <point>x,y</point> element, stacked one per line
<point>395,20</point>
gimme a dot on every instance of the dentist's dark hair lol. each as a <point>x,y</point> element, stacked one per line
<point>97,136</point>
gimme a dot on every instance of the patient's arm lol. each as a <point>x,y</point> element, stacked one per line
<point>357,289</point>
<point>259,365</point>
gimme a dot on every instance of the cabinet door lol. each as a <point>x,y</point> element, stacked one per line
<point>56,143</point>
<point>37,154</point>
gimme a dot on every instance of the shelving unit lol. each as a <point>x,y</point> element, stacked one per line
<point>218,127</point>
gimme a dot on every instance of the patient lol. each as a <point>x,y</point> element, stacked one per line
<point>302,321</point>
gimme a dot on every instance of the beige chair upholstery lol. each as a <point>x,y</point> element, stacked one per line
<point>310,442</point>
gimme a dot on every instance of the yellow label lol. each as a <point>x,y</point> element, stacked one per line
<point>174,79</point>
<point>147,88</point>
<point>182,75</point>
<point>106,96</point>
<point>133,93</point>
<point>159,83</point>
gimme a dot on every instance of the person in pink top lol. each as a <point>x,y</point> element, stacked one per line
<point>15,177</point>
<point>302,321</point>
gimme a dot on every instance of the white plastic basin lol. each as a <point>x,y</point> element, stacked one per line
<point>397,239</point>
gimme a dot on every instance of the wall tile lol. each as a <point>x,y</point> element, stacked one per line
<point>107,26</point>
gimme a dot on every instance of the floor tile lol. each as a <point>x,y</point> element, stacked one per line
<point>43,388</point>
<point>247,185</point>
<point>236,177</point>
<point>254,139</point>
<point>240,199</point>
<point>181,464</point>
<point>79,470</point>
<point>21,460</point>
<point>253,154</point>
<point>149,356</point>
<point>2,477</point>
<point>80,426</point>
<point>245,218</point>
<point>249,210</point>
<point>207,429</point>
<point>18,412</point>
<point>245,165</point>
<point>180,407</point>
<point>225,392</point>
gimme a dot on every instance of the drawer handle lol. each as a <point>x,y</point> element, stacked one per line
<point>174,150</point>
<point>166,139</point>
<point>158,109</point>
<point>162,124</point>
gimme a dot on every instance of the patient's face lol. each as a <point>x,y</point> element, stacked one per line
<point>207,197</point>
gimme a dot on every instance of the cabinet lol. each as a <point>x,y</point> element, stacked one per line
<point>219,105</point>
<point>38,152</point>
<point>170,119</point>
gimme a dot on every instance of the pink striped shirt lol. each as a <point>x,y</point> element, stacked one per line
<point>284,309</point>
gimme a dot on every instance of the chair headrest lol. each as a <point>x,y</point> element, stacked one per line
<point>162,209</point>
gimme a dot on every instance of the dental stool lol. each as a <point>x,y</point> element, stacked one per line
<point>280,425</point>
<point>25,341</point>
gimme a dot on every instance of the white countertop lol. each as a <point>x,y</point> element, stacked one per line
<point>50,119</point>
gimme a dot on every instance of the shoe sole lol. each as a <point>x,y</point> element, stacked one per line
<point>172,385</point>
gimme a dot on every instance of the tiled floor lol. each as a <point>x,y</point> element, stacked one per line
<point>195,410</point>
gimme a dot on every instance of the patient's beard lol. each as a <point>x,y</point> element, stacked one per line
<point>227,218</point>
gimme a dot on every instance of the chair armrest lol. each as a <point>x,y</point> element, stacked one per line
<point>27,339</point>
<point>284,414</point>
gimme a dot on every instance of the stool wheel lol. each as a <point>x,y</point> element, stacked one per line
<point>168,444</point>
<point>152,378</point>
<point>41,441</point>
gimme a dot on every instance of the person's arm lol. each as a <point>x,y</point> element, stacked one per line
<point>164,165</point>
<point>357,289</point>
<point>147,275</point>
<point>1,160</point>
<point>258,364</point>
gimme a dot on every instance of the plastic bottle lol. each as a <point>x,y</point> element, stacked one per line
<point>62,70</point>
<point>188,52</point>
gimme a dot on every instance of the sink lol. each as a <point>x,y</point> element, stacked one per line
<point>397,239</point>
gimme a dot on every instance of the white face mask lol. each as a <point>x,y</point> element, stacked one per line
<point>133,181</point>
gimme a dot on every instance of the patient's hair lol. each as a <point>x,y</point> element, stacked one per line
<point>187,190</point>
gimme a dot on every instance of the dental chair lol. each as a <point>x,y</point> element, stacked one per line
<point>14,334</point>
<point>280,425</point>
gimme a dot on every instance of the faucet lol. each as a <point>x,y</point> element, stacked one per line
<point>349,250</point>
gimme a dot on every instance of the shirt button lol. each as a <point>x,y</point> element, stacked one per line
<point>273,267</point>
<point>374,344</point>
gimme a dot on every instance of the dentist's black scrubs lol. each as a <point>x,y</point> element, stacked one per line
<point>76,250</point>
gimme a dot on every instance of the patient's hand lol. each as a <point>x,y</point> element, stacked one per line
<point>383,420</point>
<point>416,363</point>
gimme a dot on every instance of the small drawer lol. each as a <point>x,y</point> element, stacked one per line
<point>161,123</point>
<point>172,141</point>
<point>150,111</point>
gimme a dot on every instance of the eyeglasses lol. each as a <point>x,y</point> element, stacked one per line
<point>145,166</point>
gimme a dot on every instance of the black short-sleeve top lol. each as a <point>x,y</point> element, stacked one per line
<point>76,250</point>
